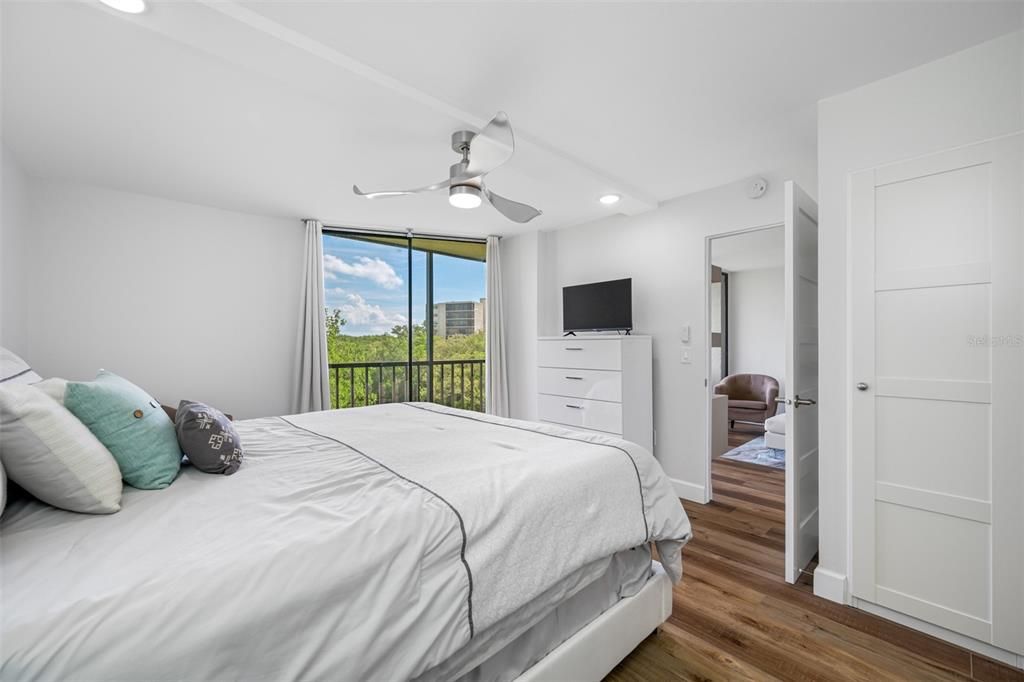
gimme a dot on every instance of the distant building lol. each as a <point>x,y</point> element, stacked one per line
<point>459,318</point>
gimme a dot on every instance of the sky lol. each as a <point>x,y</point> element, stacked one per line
<point>367,282</point>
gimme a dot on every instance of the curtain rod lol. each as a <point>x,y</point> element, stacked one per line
<point>403,234</point>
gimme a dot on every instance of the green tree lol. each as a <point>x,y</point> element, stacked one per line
<point>334,323</point>
<point>463,385</point>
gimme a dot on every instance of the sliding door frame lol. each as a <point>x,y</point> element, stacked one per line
<point>408,236</point>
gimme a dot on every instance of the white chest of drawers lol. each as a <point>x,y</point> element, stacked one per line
<point>598,383</point>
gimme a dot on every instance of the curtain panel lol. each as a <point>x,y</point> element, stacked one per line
<point>313,382</point>
<point>497,368</point>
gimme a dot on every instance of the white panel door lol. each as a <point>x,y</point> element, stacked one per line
<point>801,380</point>
<point>937,362</point>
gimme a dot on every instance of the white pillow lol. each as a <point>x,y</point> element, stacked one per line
<point>14,370</point>
<point>52,455</point>
<point>54,387</point>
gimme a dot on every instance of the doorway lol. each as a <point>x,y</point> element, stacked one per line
<point>762,383</point>
<point>747,345</point>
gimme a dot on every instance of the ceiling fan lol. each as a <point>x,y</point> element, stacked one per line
<point>481,153</point>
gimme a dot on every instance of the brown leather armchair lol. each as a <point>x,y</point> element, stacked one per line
<point>751,397</point>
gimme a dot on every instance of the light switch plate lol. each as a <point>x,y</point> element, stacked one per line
<point>686,334</point>
<point>685,358</point>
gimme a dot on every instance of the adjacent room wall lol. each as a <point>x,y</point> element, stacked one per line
<point>757,338</point>
<point>964,98</point>
<point>187,301</point>
<point>663,251</point>
<point>13,227</point>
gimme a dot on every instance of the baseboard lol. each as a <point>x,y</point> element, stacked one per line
<point>983,648</point>
<point>829,585</point>
<point>690,491</point>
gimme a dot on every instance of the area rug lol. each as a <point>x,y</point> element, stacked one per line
<point>756,452</point>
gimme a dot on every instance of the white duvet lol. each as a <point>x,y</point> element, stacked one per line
<point>367,543</point>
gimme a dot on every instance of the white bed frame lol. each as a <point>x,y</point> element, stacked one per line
<point>592,652</point>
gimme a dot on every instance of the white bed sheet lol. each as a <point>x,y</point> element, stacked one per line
<point>320,561</point>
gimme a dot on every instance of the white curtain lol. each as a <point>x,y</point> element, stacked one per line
<point>313,385</point>
<point>497,369</point>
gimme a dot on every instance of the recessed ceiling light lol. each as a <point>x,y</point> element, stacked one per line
<point>609,199</point>
<point>129,6</point>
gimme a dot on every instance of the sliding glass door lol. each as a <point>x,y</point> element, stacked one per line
<point>405,319</point>
<point>457,333</point>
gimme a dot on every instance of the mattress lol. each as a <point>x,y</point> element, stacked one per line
<point>392,542</point>
<point>625,574</point>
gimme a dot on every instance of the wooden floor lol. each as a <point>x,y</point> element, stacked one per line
<point>735,618</point>
<point>743,433</point>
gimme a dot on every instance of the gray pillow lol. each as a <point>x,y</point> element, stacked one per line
<point>208,438</point>
<point>15,370</point>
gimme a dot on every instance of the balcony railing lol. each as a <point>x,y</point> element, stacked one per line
<point>456,383</point>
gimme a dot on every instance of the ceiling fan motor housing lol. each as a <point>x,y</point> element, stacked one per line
<point>464,193</point>
<point>461,140</point>
<point>457,174</point>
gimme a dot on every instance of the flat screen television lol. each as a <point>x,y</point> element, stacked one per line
<point>601,306</point>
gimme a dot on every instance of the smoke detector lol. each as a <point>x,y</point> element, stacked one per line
<point>756,188</point>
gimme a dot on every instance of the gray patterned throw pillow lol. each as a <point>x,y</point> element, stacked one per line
<point>208,438</point>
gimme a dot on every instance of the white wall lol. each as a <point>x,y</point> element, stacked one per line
<point>966,97</point>
<point>186,301</point>
<point>663,252</point>
<point>13,227</point>
<point>757,338</point>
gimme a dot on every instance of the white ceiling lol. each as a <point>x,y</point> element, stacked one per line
<point>756,250</point>
<point>279,107</point>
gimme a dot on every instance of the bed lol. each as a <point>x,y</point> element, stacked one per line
<point>402,541</point>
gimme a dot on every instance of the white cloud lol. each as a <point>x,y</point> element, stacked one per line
<point>373,269</point>
<point>358,312</point>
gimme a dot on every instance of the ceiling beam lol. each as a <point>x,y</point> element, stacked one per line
<point>634,200</point>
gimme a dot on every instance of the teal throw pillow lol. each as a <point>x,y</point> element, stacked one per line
<point>132,426</point>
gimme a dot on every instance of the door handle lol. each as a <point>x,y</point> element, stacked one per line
<point>575,407</point>
<point>862,386</point>
<point>798,401</point>
<point>575,378</point>
<point>573,348</point>
<point>784,401</point>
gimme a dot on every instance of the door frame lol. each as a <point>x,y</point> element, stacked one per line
<point>708,241</point>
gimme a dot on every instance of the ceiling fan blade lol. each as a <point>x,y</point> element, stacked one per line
<point>513,210</point>
<point>491,147</point>
<point>383,194</point>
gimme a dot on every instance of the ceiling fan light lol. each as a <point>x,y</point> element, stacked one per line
<point>129,6</point>
<point>464,196</point>
<point>609,199</point>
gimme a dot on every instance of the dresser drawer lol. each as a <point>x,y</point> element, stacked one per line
<point>580,354</point>
<point>590,414</point>
<point>594,384</point>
